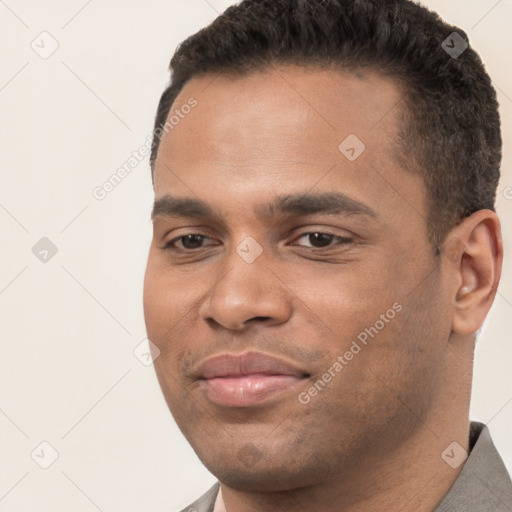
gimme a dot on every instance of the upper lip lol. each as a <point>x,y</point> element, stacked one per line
<point>247,363</point>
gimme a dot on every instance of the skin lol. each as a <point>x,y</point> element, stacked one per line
<point>372,439</point>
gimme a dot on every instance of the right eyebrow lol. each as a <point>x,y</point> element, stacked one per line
<point>169,206</point>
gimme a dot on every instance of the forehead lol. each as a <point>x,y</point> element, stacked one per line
<point>282,130</point>
<point>282,112</point>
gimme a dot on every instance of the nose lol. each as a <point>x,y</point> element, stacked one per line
<point>246,292</point>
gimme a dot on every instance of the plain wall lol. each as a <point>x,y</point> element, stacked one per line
<point>68,375</point>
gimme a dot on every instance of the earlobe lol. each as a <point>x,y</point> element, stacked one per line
<point>475,255</point>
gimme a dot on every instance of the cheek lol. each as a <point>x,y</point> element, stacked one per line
<point>154,307</point>
<point>170,313</point>
<point>161,304</point>
<point>162,297</point>
<point>346,300</point>
<point>378,319</point>
<point>166,326</point>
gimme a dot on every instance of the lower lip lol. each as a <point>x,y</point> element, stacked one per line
<point>247,390</point>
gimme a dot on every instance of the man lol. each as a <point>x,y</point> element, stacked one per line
<point>325,249</point>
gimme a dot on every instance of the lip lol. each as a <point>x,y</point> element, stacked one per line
<point>247,379</point>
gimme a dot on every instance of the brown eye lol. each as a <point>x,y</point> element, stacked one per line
<point>319,240</point>
<point>192,241</point>
<point>187,242</point>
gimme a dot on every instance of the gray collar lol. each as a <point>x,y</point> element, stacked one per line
<point>483,485</point>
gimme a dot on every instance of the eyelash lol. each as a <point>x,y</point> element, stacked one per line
<point>170,246</point>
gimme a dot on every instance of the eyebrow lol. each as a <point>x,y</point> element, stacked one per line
<point>296,204</point>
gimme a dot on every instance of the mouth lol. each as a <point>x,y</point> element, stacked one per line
<point>248,379</point>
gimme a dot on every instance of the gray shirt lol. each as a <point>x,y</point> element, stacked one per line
<point>483,485</point>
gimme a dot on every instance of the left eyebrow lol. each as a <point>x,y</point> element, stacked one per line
<point>290,204</point>
<point>308,204</point>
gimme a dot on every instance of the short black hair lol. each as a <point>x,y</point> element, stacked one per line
<point>451,125</point>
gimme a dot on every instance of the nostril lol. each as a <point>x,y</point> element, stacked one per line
<point>261,318</point>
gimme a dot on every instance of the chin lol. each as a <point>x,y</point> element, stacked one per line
<point>259,476</point>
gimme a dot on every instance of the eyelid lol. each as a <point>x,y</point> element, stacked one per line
<point>325,230</point>
<point>171,243</point>
<point>342,240</point>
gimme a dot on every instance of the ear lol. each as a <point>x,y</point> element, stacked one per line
<point>474,255</point>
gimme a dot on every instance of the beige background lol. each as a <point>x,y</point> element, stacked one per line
<point>68,375</point>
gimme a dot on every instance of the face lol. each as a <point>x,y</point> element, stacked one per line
<point>292,292</point>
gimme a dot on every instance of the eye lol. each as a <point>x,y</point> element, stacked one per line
<point>315,240</point>
<point>188,242</point>
<point>320,240</point>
